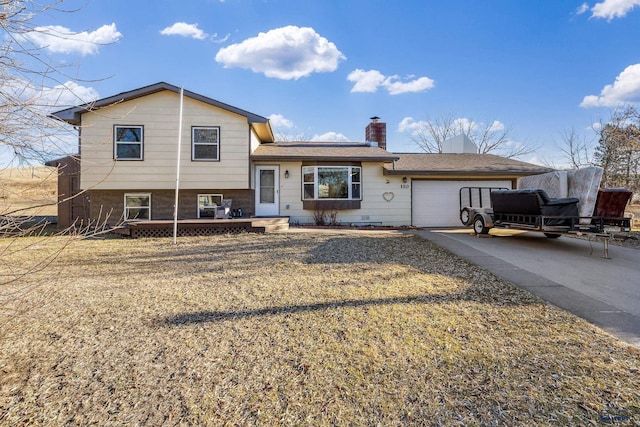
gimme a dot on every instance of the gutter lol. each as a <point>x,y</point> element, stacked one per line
<point>460,173</point>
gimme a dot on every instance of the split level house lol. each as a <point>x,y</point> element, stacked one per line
<point>129,146</point>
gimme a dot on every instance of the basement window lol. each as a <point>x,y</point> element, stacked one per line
<point>137,207</point>
<point>208,204</point>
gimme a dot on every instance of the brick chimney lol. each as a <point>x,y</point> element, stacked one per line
<point>377,132</point>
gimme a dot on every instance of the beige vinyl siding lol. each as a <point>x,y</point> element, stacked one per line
<point>158,114</point>
<point>290,192</point>
<point>255,141</point>
<point>396,211</point>
<point>374,208</point>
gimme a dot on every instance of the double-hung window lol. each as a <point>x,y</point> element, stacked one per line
<point>127,142</point>
<point>331,183</point>
<point>205,143</point>
<point>137,206</point>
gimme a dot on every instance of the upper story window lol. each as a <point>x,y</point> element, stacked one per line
<point>127,142</point>
<point>205,143</point>
<point>331,182</point>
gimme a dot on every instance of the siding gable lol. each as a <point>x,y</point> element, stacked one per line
<point>159,114</point>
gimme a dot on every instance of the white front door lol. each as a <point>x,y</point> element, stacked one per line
<point>267,190</point>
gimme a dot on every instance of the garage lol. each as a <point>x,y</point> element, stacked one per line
<point>436,180</point>
<point>436,203</point>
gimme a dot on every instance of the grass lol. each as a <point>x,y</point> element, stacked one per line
<point>307,328</point>
<point>29,190</point>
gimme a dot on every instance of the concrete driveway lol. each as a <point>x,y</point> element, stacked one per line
<point>568,272</point>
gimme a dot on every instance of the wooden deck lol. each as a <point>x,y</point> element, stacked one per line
<point>202,227</point>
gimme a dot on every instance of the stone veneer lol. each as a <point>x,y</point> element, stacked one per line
<point>109,204</point>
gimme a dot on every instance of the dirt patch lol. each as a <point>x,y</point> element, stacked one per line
<point>295,329</point>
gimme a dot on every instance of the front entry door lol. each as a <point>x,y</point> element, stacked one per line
<point>267,191</point>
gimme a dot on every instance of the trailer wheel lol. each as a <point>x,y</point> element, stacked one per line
<point>465,216</point>
<point>479,226</point>
<point>552,235</point>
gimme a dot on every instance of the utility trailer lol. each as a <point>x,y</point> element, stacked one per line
<point>484,208</point>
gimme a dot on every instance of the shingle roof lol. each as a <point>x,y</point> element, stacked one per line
<point>325,151</point>
<point>460,164</point>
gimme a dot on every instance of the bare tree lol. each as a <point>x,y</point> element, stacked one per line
<point>432,133</point>
<point>618,149</point>
<point>576,149</point>
<point>32,84</point>
<point>490,137</point>
<point>282,136</point>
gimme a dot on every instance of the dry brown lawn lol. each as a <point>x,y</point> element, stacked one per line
<point>306,328</point>
<point>29,190</point>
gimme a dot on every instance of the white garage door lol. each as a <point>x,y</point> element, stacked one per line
<point>437,203</point>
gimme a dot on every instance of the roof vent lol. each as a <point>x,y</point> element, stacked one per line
<point>459,144</point>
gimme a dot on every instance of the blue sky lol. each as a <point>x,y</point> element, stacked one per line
<point>320,69</point>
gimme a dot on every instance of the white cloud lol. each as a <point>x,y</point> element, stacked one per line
<point>59,39</point>
<point>279,121</point>
<point>370,81</point>
<point>216,39</point>
<point>408,124</point>
<point>284,53</point>
<point>69,94</point>
<point>330,137</point>
<point>626,89</point>
<point>496,126</point>
<point>185,30</point>
<point>64,95</point>
<point>584,7</point>
<point>366,81</point>
<point>418,85</point>
<point>461,124</point>
<point>610,9</point>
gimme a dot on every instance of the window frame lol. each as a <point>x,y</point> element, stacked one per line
<point>126,208</point>
<point>116,143</point>
<point>316,186</point>
<point>217,205</point>
<point>194,143</point>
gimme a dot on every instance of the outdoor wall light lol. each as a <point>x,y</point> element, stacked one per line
<point>404,179</point>
<point>286,174</point>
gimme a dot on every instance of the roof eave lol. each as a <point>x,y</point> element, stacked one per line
<point>69,116</point>
<point>513,173</point>
<point>321,158</point>
<point>264,131</point>
<point>73,115</point>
